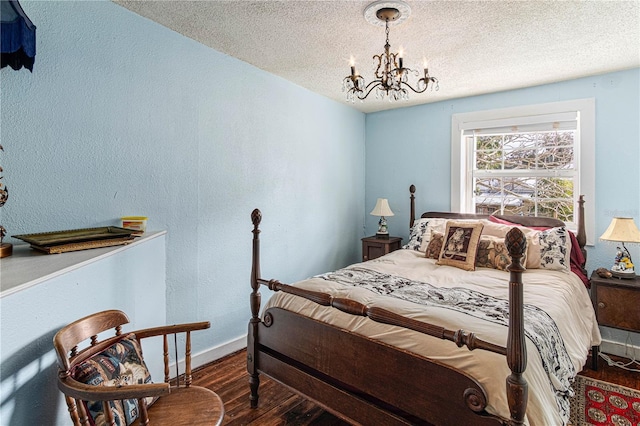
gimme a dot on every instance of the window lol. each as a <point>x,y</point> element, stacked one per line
<point>532,161</point>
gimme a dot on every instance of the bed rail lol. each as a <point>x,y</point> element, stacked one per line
<point>459,337</point>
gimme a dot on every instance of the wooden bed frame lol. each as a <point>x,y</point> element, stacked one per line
<point>364,381</point>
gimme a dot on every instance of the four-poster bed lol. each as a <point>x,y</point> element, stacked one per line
<point>355,342</point>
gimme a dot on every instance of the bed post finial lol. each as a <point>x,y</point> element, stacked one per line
<point>412,214</point>
<point>517,387</point>
<point>252,336</point>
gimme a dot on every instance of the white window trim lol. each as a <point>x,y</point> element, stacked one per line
<point>586,151</point>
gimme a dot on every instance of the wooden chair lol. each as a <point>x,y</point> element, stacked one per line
<point>178,403</point>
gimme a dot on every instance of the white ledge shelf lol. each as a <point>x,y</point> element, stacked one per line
<point>28,267</point>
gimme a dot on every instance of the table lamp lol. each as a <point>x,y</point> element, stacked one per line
<point>382,209</point>
<point>623,230</point>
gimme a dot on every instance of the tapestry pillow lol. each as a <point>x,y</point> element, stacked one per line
<point>416,234</point>
<point>118,365</point>
<point>438,225</point>
<point>460,244</point>
<point>435,245</point>
<point>492,253</point>
<point>533,246</point>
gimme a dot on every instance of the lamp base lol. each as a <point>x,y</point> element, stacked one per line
<point>382,236</point>
<point>6,250</point>
<point>624,275</point>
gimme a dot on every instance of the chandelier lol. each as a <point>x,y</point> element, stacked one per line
<point>391,76</point>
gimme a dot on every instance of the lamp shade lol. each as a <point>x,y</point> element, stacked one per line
<point>17,36</point>
<point>382,208</point>
<point>622,229</point>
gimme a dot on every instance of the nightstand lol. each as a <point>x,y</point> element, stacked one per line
<point>374,247</point>
<point>616,304</point>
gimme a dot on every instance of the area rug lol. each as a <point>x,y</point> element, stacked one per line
<point>602,403</point>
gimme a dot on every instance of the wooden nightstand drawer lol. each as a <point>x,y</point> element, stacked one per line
<point>616,302</point>
<point>618,307</point>
<point>373,247</point>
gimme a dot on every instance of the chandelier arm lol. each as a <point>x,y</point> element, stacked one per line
<point>373,85</point>
<point>404,83</point>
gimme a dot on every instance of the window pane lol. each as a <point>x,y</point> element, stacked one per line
<point>556,151</point>
<point>485,186</point>
<point>519,206</point>
<point>554,188</point>
<point>488,195</point>
<point>520,187</point>
<point>522,158</point>
<point>559,209</point>
<point>488,160</point>
<point>489,142</point>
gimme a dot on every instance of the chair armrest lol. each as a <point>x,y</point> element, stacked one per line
<point>171,329</point>
<point>70,386</point>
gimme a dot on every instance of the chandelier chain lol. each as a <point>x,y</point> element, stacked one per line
<point>386,25</point>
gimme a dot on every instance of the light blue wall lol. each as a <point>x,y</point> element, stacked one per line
<point>122,116</point>
<point>412,146</point>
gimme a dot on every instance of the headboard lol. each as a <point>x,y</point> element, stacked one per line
<point>529,221</point>
<point>548,222</point>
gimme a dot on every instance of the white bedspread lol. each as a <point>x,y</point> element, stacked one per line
<point>562,295</point>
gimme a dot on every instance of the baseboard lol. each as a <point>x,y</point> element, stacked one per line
<point>620,349</point>
<point>214,353</point>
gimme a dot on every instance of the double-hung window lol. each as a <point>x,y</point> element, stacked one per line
<point>531,161</point>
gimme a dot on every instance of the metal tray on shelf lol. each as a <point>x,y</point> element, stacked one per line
<point>79,239</point>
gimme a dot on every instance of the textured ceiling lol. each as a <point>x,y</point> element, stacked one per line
<point>473,47</point>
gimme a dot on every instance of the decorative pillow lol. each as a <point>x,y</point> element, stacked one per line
<point>555,249</point>
<point>416,235</point>
<point>460,245</point>
<point>532,256</point>
<point>439,225</point>
<point>118,365</point>
<point>492,253</point>
<point>435,245</point>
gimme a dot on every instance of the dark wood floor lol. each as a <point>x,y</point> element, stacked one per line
<point>279,406</point>
<point>228,377</point>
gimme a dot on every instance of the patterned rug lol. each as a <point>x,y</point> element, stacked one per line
<point>602,403</point>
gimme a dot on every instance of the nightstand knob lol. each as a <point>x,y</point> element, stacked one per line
<point>601,305</point>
